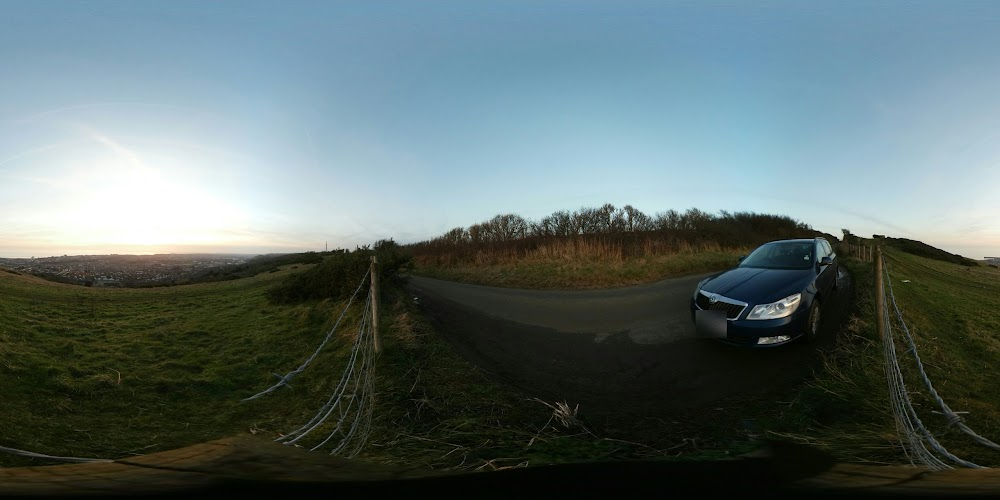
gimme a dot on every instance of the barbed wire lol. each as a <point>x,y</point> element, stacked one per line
<point>354,408</point>
<point>954,418</point>
<point>339,391</point>
<point>31,454</point>
<point>365,406</point>
<point>284,380</point>
<point>908,423</point>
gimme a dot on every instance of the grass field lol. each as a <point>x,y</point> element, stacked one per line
<point>953,312</point>
<point>109,372</point>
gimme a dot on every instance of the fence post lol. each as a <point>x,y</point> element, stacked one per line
<point>879,294</point>
<point>374,293</point>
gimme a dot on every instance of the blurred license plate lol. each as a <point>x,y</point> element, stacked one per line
<point>711,323</point>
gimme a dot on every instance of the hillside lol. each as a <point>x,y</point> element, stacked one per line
<point>921,249</point>
<point>102,372</point>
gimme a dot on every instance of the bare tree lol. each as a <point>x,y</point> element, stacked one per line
<point>633,220</point>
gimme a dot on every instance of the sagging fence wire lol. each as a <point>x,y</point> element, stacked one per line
<point>903,409</point>
<point>350,402</point>
<point>353,407</point>
<point>908,424</point>
<point>31,454</point>
<point>284,380</point>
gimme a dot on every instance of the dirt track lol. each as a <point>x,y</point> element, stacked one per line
<point>624,352</point>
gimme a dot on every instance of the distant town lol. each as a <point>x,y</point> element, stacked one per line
<point>122,270</point>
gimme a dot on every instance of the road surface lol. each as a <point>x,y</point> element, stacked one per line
<point>620,351</point>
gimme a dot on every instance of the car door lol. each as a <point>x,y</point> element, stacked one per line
<point>827,273</point>
<point>835,268</point>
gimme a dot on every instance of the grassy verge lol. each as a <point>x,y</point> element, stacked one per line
<point>844,407</point>
<point>574,273</point>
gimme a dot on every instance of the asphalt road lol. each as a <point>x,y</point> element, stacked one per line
<point>655,313</point>
<point>623,350</point>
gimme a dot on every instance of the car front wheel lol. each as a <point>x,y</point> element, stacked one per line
<point>812,325</point>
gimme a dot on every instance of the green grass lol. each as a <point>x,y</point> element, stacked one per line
<point>577,273</point>
<point>104,372</point>
<point>953,312</point>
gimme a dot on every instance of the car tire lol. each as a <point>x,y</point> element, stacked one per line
<point>812,324</point>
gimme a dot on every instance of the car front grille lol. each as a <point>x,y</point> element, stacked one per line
<point>732,307</point>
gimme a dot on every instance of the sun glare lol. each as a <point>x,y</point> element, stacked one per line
<point>119,203</point>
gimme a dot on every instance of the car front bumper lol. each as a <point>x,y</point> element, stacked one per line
<point>747,333</point>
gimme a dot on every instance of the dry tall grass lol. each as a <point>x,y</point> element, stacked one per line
<point>570,250</point>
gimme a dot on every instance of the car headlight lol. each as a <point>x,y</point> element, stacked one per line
<point>775,310</point>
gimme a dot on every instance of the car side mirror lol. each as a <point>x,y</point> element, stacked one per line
<point>740,258</point>
<point>825,261</point>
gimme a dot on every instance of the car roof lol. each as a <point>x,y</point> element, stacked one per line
<point>799,240</point>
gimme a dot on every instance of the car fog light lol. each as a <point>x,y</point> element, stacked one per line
<point>773,340</point>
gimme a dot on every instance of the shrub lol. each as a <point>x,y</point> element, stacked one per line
<point>340,274</point>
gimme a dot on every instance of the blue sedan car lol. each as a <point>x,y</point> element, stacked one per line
<point>772,297</point>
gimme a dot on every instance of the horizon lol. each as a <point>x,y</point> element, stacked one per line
<point>186,127</point>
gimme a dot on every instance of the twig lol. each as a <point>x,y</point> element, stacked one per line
<point>415,382</point>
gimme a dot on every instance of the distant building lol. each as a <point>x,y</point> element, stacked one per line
<point>878,236</point>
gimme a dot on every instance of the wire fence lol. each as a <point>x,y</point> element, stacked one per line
<point>284,380</point>
<point>350,402</point>
<point>345,418</point>
<point>862,252</point>
<point>914,435</point>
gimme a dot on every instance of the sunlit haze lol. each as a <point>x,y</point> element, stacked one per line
<point>257,127</point>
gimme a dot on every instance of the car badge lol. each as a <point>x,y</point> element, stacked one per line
<point>712,299</point>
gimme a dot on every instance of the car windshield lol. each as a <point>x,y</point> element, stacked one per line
<point>796,255</point>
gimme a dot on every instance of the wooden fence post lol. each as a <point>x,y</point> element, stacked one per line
<point>879,294</point>
<point>374,293</point>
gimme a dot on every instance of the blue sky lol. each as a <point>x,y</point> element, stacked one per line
<point>138,127</point>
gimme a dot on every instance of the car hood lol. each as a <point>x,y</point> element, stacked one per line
<point>758,286</point>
